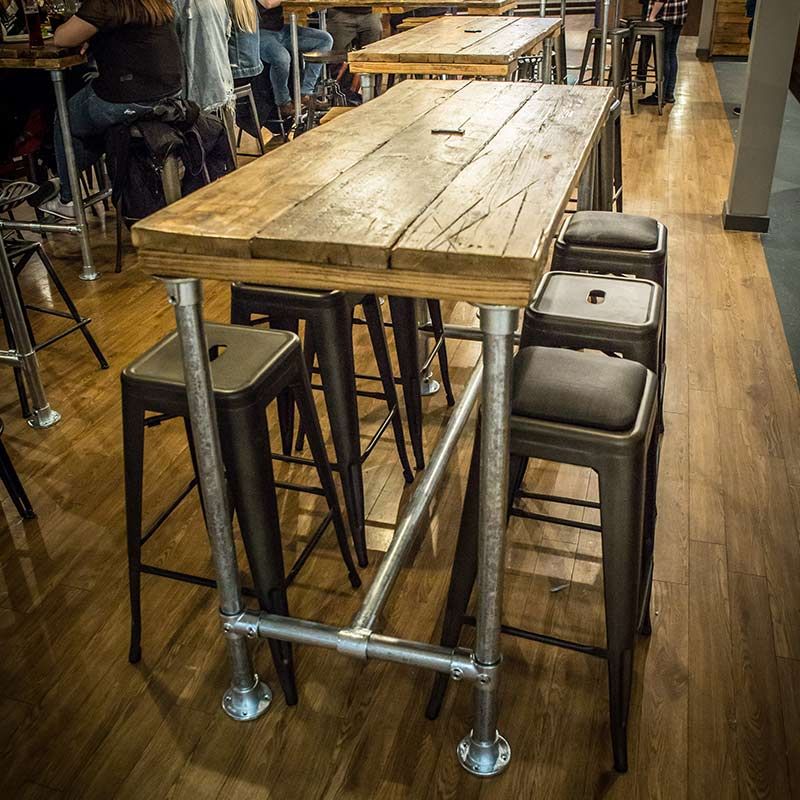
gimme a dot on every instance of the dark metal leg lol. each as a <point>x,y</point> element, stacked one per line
<point>435,311</point>
<point>247,457</point>
<point>310,423</point>
<point>14,485</point>
<point>405,341</point>
<point>377,334</point>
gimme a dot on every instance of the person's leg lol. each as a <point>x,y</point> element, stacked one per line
<point>274,53</point>
<point>309,39</point>
<point>671,36</point>
<point>370,29</point>
<point>343,27</point>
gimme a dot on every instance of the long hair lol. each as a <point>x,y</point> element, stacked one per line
<point>244,15</point>
<point>144,12</point>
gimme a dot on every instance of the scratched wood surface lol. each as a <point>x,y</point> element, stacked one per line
<point>716,698</point>
<point>461,40</point>
<point>20,55</point>
<point>358,192</point>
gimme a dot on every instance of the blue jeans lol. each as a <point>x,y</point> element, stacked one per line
<point>672,33</point>
<point>276,51</point>
<point>89,118</point>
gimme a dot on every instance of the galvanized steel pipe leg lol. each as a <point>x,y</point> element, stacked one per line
<point>248,697</point>
<point>607,150</point>
<point>484,751</point>
<point>588,182</point>
<point>43,415</point>
<point>367,87</point>
<point>88,272</point>
<point>547,60</point>
<point>603,43</point>
<point>296,91</point>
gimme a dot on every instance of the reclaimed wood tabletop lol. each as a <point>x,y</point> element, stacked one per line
<point>450,189</point>
<point>401,6</point>
<point>20,55</point>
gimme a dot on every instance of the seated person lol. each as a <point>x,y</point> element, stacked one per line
<point>139,63</point>
<point>356,27</point>
<point>275,45</point>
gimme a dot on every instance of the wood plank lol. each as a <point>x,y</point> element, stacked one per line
<point>356,219</point>
<point>426,68</point>
<point>222,218</point>
<point>498,215</point>
<point>789,677</point>
<point>706,489</point>
<point>663,745</point>
<point>763,768</point>
<point>712,707</point>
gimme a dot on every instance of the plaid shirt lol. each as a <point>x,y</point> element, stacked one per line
<point>674,11</point>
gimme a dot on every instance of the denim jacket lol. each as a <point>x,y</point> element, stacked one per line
<point>203,27</point>
<point>243,53</point>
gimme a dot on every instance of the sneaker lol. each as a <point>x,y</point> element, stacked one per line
<point>669,100</point>
<point>652,100</point>
<point>737,111</point>
<point>58,208</point>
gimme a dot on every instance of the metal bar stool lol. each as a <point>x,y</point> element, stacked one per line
<point>591,411</point>
<point>245,93</point>
<point>330,315</point>
<point>650,38</point>
<point>249,369</point>
<point>617,244</point>
<point>11,481</point>
<point>20,251</point>
<point>619,71</point>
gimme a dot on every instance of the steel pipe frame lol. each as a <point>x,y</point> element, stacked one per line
<point>483,751</point>
<point>88,271</point>
<point>24,356</point>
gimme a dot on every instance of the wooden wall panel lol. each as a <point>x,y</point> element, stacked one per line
<point>729,36</point>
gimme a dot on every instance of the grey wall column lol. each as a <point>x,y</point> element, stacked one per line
<point>703,51</point>
<point>768,70</point>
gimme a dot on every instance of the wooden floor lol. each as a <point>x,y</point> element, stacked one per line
<point>716,710</point>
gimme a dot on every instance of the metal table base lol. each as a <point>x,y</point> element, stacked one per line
<point>482,751</point>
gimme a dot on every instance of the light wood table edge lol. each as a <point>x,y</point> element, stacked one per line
<point>431,68</point>
<point>43,63</point>
<point>497,291</point>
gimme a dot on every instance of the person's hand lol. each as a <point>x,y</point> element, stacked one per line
<point>84,48</point>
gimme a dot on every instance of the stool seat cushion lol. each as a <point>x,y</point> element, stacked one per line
<point>240,357</point>
<point>607,229</point>
<point>577,388</point>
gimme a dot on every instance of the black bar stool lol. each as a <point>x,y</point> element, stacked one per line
<point>249,369</point>
<point>600,242</point>
<point>591,411</point>
<point>244,95</point>
<point>14,487</point>
<point>330,317</point>
<point>650,38</point>
<point>619,69</point>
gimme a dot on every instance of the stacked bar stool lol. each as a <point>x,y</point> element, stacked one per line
<point>620,68</point>
<point>329,315</point>
<point>650,38</point>
<point>249,369</point>
<point>14,487</point>
<point>617,244</point>
<point>20,252</point>
<point>592,411</point>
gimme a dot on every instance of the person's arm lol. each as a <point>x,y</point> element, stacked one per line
<point>655,10</point>
<point>74,33</point>
<point>270,3</point>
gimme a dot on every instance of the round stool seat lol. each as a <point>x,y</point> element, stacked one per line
<point>326,57</point>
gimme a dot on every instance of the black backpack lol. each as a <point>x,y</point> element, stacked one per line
<point>137,153</point>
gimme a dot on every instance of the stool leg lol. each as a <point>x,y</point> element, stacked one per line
<point>377,335</point>
<point>435,311</point>
<point>659,59</point>
<point>133,458</point>
<point>246,452</point>
<point>462,576</point>
<point>24,406</point>
<point>309,354</point>
<point>61,289</point>
<point>405,342</point>
<point>622,490</point>
<point>587,49</point>
<point>334,344</point>
<point>285,401</point>
<point>649,539</point>
<point>13,484</point>
<point>310,422</point>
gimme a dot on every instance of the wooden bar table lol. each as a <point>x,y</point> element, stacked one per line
<point>56,60</point>
<point>380,201</point>
<point>486,7</point>
<point>488,47</point>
